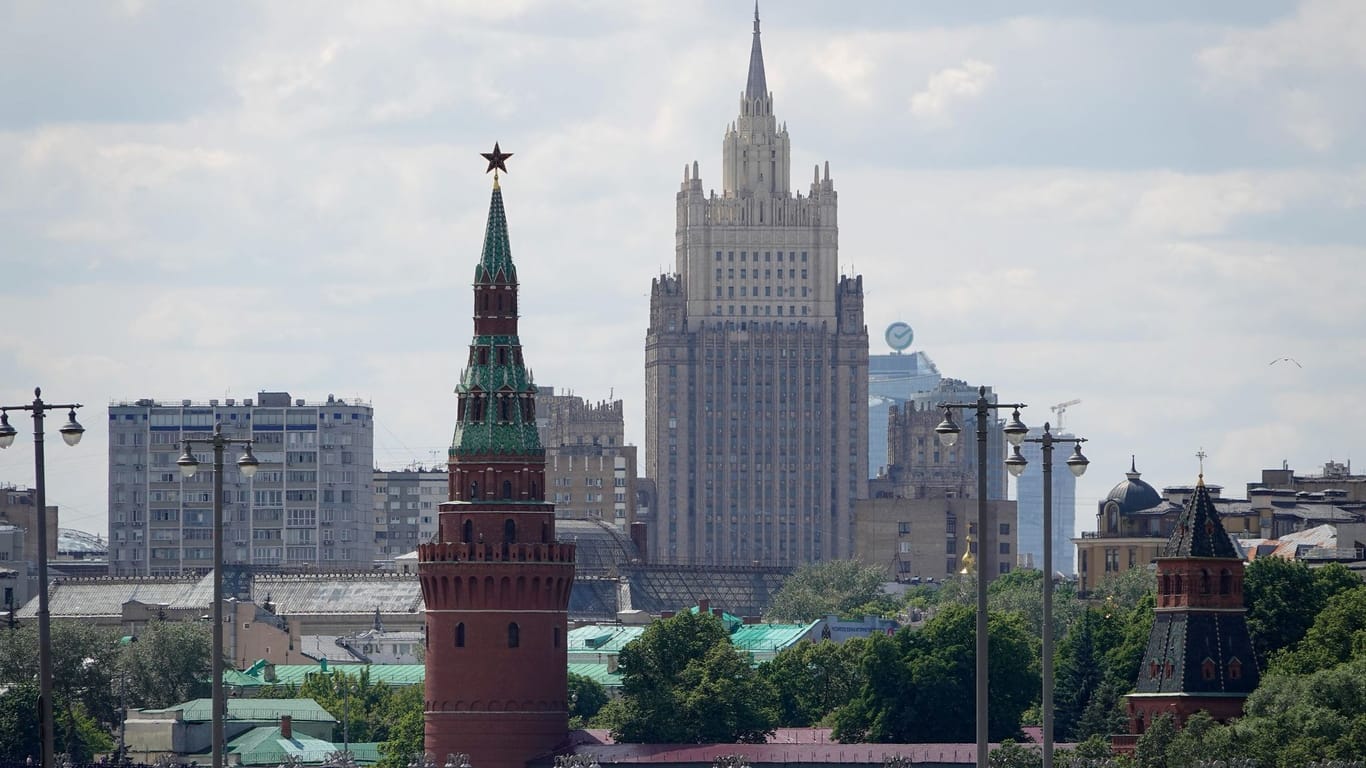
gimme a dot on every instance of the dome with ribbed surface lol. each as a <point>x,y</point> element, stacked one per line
<point>1132,494</point>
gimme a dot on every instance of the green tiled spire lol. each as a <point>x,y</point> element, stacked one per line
<point>497,255</point>
<point>497,395</point>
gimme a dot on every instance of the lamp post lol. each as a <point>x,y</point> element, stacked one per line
<point>188,466</point>
<point>948,432</point>
<point>1077,464</point>
<point>71,434</point>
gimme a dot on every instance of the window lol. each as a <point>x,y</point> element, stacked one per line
<point>460,635</point>
<point>1005,529</point>
<point>514,635</point>
<point>903,528</point>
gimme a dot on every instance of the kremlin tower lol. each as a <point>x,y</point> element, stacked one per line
<point>495,581</point>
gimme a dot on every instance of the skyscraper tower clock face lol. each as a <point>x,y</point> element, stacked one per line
<point>899,336</point>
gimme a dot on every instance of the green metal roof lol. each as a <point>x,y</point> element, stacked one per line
<point>769,638</point>
<point>597,672</point>
<point>602,638</point>
<point>265,746</point>
<point>263,710</point>
<point>297,674</point>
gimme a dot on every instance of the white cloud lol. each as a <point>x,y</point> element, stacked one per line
<point>949,88</point>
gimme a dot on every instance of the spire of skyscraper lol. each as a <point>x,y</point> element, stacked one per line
<point>756,87</point>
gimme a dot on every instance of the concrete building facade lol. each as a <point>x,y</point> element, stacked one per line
<point>590,470</point>
<point>309,504</point>
<point>756,362</point>
<point>926,538</point>
<point>406,502</point>
<point>892,380</point>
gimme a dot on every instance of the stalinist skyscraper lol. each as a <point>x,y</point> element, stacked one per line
<point>756,362</point>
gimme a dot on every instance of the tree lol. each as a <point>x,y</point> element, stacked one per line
<point>1123,591</point>
<point>1293,719</point>
<point>812,680</point>
<point>406,730</point>
<point>663,672</point>
<point>1151,749</point>
<point>1337,635</point>
<point>586,698</point>
<point>1079,669</point>
<point>360,705</point>
<point>19,733</point>
<point>170,663</point>
<point>829,587</point>
<point>919,686</point>
<point>1284,596</point>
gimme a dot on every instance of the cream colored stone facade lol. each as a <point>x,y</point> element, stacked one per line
<point>756,363</point>
<point>926,538</point>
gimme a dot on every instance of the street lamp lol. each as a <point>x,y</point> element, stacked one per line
<point>948,432</point>
<point>188,466</point>
<point>1077,464</point>
<point>71,434</point>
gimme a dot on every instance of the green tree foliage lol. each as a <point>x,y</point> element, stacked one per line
<point>170,663</point>
<point>1151,749</point>
<point>683,682</point>
<point>1284,596</point>
<point>405,711</point>
<point>1337,635</point>
<point>839,587</point>
<point>19,734</point>
<point>812,680</point>
<point>1079,669</point>
<point>360,705</point>
<point>586,698</point>
<point>1123,591</point>
<point>919,686</point>
<point>1014,755</point>
<point>1292,719</point>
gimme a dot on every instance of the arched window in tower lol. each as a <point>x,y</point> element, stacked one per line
<point>500,302</point>
<point>535,492</point>
<point>1225,581</point>
<point>557,637</point>
<point>545,532</point>
<point>1166,584</point>
<point>467,530</point>
<point>483,355</point>
<point>1178,584</point>
<point>476,409</point>
<point>507,489</point>
<point>509,531</point>
<point>1235,669</point>
<point>1207,669</point>
<point>484,304</point>
<point>504,408</point>
<point>460,409</point>
<point>1204,581</point>
<point>514,635</point>
<point>460,635</point>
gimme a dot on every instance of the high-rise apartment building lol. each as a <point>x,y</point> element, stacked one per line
<point>1029,506</point>
<point>590,473</point>
<point>308,505</point>
<point>405,508</point>
<point>756,362</point>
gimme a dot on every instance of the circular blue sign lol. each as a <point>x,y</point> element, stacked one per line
<point>899,336</point>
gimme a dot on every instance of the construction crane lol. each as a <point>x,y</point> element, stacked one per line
<point>1060,409</point>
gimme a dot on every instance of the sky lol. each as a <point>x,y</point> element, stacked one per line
<point>1138,205</point>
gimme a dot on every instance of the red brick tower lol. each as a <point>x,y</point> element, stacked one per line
<point>496,583</point>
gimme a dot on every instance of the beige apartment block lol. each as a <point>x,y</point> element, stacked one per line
<point>926,538</point>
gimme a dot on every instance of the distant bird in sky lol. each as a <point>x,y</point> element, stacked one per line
<point>1286,359</point>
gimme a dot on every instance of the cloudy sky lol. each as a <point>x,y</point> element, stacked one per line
<point>1140,205</point>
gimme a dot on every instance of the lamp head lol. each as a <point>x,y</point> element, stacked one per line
<point>1015,429</point>
<point>7,432</point>
<point>948,430</point>
<point>72,429</point>
<point>187,462</point>
<point>1077,462</point>
<point>1016,463</point>
<point>247,464</point>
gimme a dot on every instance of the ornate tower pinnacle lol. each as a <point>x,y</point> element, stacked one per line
<point>495,580</point>
<point>756,87</point>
